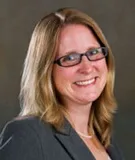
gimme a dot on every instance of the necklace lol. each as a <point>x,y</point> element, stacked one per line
<point>84,135</point>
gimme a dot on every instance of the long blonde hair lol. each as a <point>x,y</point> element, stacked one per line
<point>38,95</point>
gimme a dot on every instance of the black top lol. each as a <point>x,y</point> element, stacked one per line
<point>32,139</point>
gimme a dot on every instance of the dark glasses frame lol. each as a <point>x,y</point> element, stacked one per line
<point>88,54</point>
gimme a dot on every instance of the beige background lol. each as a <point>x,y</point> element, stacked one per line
<point>117,20</point>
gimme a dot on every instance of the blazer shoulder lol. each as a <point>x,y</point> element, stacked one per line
<point>20,138</point>
<point>25,123</point>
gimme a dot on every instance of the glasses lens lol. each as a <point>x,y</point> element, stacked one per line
<point>97,54</point>
<point>75,58</point>
<point>70,60</point>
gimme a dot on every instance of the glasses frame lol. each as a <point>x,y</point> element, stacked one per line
<point>58,61</point>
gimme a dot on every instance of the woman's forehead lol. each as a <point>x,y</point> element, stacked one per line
<point>76,38</point>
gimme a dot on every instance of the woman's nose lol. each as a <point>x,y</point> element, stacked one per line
<point>85,66</point>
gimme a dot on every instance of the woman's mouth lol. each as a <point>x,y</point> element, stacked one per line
<point>86,82</point>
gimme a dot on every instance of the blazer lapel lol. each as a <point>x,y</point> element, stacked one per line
<point>73,144</point>
<point>112,152</point>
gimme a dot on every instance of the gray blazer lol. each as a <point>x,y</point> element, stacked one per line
<point>32,139</point>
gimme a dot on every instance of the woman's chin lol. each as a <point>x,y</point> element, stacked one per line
<point>88,99</point>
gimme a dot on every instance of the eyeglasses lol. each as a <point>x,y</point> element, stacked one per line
<point>76,58</point>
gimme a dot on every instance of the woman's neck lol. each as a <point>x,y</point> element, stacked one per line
<point>79,117</point>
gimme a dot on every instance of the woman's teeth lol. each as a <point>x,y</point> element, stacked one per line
<point>85,82</point>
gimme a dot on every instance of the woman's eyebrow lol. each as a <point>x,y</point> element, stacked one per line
<point>68,53</point>
<point>74,51</point>
<point>93,47</point>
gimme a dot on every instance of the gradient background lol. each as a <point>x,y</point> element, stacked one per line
<point>117,20</point>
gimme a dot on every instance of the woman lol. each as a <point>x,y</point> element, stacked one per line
<point>66,94</point>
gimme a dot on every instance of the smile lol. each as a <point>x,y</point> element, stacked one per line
<point>82,83</point>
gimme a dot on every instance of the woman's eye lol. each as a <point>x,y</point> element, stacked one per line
<point>93,52</point>
<point>69,58</point>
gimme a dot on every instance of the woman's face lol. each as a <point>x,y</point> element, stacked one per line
<point>84,82</point>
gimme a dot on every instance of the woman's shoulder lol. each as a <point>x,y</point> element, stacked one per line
<point>27,125</point>
<point>23,136</point>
